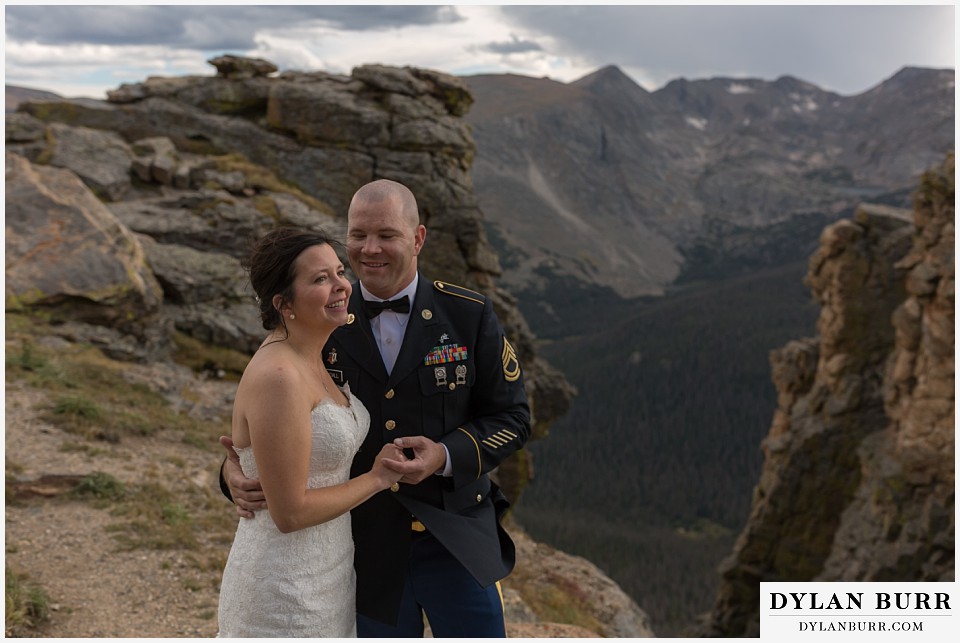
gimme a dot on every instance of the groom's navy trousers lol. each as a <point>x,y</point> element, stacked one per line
<point>437,585</point>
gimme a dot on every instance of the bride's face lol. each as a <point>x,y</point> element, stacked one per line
<point>320,289</point>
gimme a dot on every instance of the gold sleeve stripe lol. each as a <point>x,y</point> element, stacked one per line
<point>503,436</point>
<point>510,433</point>
<point>479,461</point>
<point>497,439</point>
<point>491,444</point>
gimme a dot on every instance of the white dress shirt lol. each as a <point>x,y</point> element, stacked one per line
<point>389,326</point>
<point>388,329</point>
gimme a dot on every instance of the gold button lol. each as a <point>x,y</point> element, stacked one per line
<point>395,487</point>
<point>451,386</point>
<point>426,314</point>
<point>479,498</point>
<point>389,394</point>
<point>390,424</point>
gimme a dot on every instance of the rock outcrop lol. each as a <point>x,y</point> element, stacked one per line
<point>858,478</point>
<point>68,256</point>
<point>547,582</point>
<point>210,163</point>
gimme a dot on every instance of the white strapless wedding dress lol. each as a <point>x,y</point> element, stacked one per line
<point>298,584</point>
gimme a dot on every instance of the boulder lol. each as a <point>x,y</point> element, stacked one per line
<point>101,159</point>
<point>65,251</point>
<point>242,67</point>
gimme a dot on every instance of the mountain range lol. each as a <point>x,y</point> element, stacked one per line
<point>607,184</point>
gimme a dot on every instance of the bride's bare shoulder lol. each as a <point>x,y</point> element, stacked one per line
<point>273,368</point>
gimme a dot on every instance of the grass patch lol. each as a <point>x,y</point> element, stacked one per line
<point>77,409</point>
<point>558,602</point>
<point>100,485</point>
<point>26,359</point>
<point>27,604</point>
<point>30,363</point>
<point>85,448</point>
<point>89,393</point>
<point>11,471</point>
<point>261,178</point>
<point>201,357</point>
<point>154,516</point>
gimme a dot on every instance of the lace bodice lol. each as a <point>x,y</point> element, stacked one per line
<point>335,442</point>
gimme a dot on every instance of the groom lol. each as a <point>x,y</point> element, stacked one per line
<point>432,365</point>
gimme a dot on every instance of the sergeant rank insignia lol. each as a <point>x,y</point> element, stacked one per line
<point>511,365</point>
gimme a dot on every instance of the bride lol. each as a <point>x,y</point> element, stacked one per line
<point>290,569</point>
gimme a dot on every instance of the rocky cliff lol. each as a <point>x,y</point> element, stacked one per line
<point>858,478</point>
<point>126,222</point>
<point>196,167</point>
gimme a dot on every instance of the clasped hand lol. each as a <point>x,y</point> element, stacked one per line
<point>389,455</point>
<point>428,458</point>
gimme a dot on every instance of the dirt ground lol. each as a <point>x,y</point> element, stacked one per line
<point>64,545</point>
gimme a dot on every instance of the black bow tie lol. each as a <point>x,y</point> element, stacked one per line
<point>374,308</point>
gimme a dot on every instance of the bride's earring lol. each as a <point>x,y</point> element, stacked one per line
<point>292,316</point>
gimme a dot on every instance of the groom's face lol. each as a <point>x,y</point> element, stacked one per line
<point>382,246</point>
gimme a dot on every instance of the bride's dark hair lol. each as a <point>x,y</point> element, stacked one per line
<point>271,268</point>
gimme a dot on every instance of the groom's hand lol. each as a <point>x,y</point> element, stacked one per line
<point>428,458</point>
<point>246,492</point>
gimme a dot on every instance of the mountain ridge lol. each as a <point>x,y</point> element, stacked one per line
<point>649,169</point>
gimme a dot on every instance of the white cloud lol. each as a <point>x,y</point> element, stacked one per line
<point>839,48</point>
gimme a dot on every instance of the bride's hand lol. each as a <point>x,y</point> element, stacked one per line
<point>388,476</point>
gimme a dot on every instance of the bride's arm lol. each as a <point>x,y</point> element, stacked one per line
<point>277,412</point>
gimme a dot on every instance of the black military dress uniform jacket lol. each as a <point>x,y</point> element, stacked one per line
<point>457,380</point>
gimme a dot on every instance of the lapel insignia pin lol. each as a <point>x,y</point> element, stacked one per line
<point>332,357</point>
<point>350,318</point>
<point>426,314</point>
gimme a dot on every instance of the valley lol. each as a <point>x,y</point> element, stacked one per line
<point>650,474</point>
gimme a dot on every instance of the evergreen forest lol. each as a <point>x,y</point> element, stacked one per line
<point>650,474</point>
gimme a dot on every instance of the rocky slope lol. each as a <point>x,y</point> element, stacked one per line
<point>601,181</point>
<point>858,478</point>
<point>127,220</point>
<point>197,167</point>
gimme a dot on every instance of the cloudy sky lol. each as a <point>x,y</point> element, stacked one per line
<point>85,50</point>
